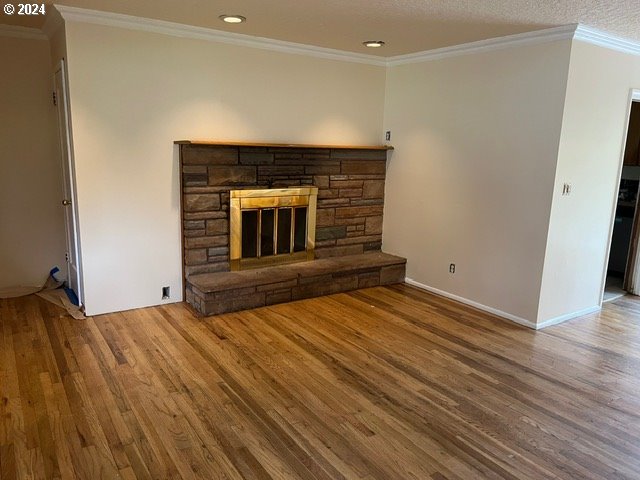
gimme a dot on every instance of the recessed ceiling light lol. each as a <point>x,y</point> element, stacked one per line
<point>373,43</point>
<point>232,18</point>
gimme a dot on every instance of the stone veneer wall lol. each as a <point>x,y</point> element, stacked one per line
<point>350,196</point>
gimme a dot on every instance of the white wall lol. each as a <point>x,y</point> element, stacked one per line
<point>31,217</point>
<point>134,93</point>
<point>471,179</point>
<point>590,156</point>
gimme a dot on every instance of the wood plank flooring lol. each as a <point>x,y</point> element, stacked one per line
<point>383,383</point>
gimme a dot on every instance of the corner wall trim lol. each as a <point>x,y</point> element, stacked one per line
<point>606,40</point>
<point>507,316</point>
<point>21,32</point>
<point>568,316</point>
<point>130,22</point>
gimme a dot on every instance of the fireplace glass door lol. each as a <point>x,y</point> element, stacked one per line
<point>272,226</point>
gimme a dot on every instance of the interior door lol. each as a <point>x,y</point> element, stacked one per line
<point>69,200</point>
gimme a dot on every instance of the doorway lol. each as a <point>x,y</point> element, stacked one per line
<point>621,269</point>
<point>72,254</point>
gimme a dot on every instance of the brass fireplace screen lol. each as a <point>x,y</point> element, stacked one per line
<point>272,226</point>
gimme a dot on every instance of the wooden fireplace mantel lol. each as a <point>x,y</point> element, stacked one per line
<point>282,145</point>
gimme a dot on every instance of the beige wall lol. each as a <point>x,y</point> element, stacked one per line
<point>31,219</point>
<point>471,179</point>
<point>134,93</point>
<point>592,141</point>
<point>474,179</point>
<point>58,44</point>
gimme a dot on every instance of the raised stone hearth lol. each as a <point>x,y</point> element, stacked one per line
<point>350,202</point>
<point>213,293</point>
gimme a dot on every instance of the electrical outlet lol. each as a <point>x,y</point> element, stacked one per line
<point>387,136</point>
<point>166,293</point>
<point>452,268</point>
<point>566,189</point>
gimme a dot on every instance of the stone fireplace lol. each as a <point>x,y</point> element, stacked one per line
<point>250,237</point>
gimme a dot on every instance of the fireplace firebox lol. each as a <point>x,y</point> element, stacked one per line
<point>272,226</point>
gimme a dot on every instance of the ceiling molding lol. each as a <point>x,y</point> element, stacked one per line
<point>21,32</point>
<point>96,17</point>
<point>565,32</point>
<point>606,40</point>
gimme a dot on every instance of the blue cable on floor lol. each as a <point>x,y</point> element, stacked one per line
<point>73,298</point>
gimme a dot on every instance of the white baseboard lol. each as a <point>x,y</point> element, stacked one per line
<point>479,306</point>
<point>568,316</point>
<point>500,313</point>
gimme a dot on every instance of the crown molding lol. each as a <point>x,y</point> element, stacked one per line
<point>565,32</point>
<point>21,32</point>
<point>606,40</point>
<point>96,17</point>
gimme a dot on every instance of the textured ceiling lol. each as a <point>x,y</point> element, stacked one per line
<point>406,25</point>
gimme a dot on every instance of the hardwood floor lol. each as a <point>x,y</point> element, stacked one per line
<point>384,383</point>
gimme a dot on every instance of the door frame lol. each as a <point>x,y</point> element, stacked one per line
<point>73,237</point>
<point>634,96</point>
